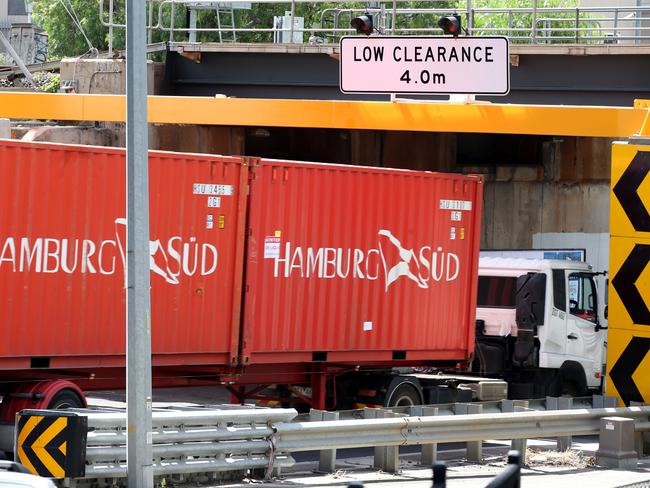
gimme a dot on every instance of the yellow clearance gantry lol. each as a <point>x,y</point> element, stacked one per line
<point>411,115</point>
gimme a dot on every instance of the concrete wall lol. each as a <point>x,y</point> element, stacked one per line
<point>200,139</point>
<point>85,135</point>
<point>569,195</point>
<point>104,76</point>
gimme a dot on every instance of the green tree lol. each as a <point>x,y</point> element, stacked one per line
<point>66,21</point>
<point>551,27</point>
<point>74,26</point>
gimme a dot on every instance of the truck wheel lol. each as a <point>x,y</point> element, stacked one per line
<point>570,381</point>
<point>404,395</point>
<point>65,399</point>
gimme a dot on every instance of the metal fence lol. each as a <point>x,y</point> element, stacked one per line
<point>317,22</point>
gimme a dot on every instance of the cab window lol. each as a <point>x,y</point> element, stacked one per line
<point>582,296</point>
<point>497,291</point>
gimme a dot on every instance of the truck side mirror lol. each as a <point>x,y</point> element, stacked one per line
<point>530,300</point>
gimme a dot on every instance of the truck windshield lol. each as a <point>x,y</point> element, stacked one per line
<point>496,291</point>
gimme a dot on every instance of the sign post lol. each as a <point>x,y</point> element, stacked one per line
<point>420,64</point>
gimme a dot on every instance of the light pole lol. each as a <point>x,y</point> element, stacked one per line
<point>138,303</point>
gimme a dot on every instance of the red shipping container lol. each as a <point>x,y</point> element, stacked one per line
<point>360,265</point>
<point>62,245</point>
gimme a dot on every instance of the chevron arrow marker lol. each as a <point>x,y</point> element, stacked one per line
<point>626,365</point>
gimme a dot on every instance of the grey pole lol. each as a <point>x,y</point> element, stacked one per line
<point>138,306</point>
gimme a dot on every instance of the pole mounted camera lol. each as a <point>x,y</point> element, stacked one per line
<point>363,24</point>
<point>451,25</point>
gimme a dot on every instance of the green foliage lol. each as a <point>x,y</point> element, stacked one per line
<point>552,27</point>
<point>47,82</point>
<point>315,15</point>
<point>65,38</point>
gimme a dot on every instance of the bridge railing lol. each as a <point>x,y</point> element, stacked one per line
<point>319,22</point>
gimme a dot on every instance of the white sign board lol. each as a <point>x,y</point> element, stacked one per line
<point>419,64</point>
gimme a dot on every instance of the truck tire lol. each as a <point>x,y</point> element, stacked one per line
<point>65,399</point>
<point>404,395</point>
<point>570,381</point>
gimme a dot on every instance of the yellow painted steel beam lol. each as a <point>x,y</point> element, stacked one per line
<point>400,115</point>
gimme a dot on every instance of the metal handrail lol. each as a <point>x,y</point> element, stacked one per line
<point>534,25</point>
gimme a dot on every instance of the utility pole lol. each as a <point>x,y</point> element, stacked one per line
<point>138,302</point>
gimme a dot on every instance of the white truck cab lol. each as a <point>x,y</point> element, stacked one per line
<point>538,326</point>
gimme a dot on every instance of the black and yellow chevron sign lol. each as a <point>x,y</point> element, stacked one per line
<point>630,191</point>
<point>628,341</point>
<point>52,443</point>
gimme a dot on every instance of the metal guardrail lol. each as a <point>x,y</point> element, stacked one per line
<point>257,21</point>
<point>192,441</point>
<point>203,440</point>
<point>493,406</point>
<point>405,431</point>
<point>189,442</point>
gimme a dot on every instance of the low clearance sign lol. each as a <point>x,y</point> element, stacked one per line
<point>418,64</point>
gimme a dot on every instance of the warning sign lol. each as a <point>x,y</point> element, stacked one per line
<point>630,199</point>
<point>628,341</point>
<point>52,443</point>
<point>628,366</point>
<point>421,64</point>
<point>629,297</point>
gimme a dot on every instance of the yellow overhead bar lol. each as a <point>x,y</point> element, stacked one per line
<point>411,115</point>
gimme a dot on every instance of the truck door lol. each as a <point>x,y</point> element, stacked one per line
<point>585,340</point>
<point>552,336</point>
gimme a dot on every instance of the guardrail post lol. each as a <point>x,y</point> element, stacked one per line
<point>391,453</point>
<point>561,403</point>
<point>429,452</point>
<point>616,443</point>
<point>641,439</point>
<point>519,445</point>
<point>603,401</point>
<point>474,448</point>
<point>380,452</point>
<point>327,460</point>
